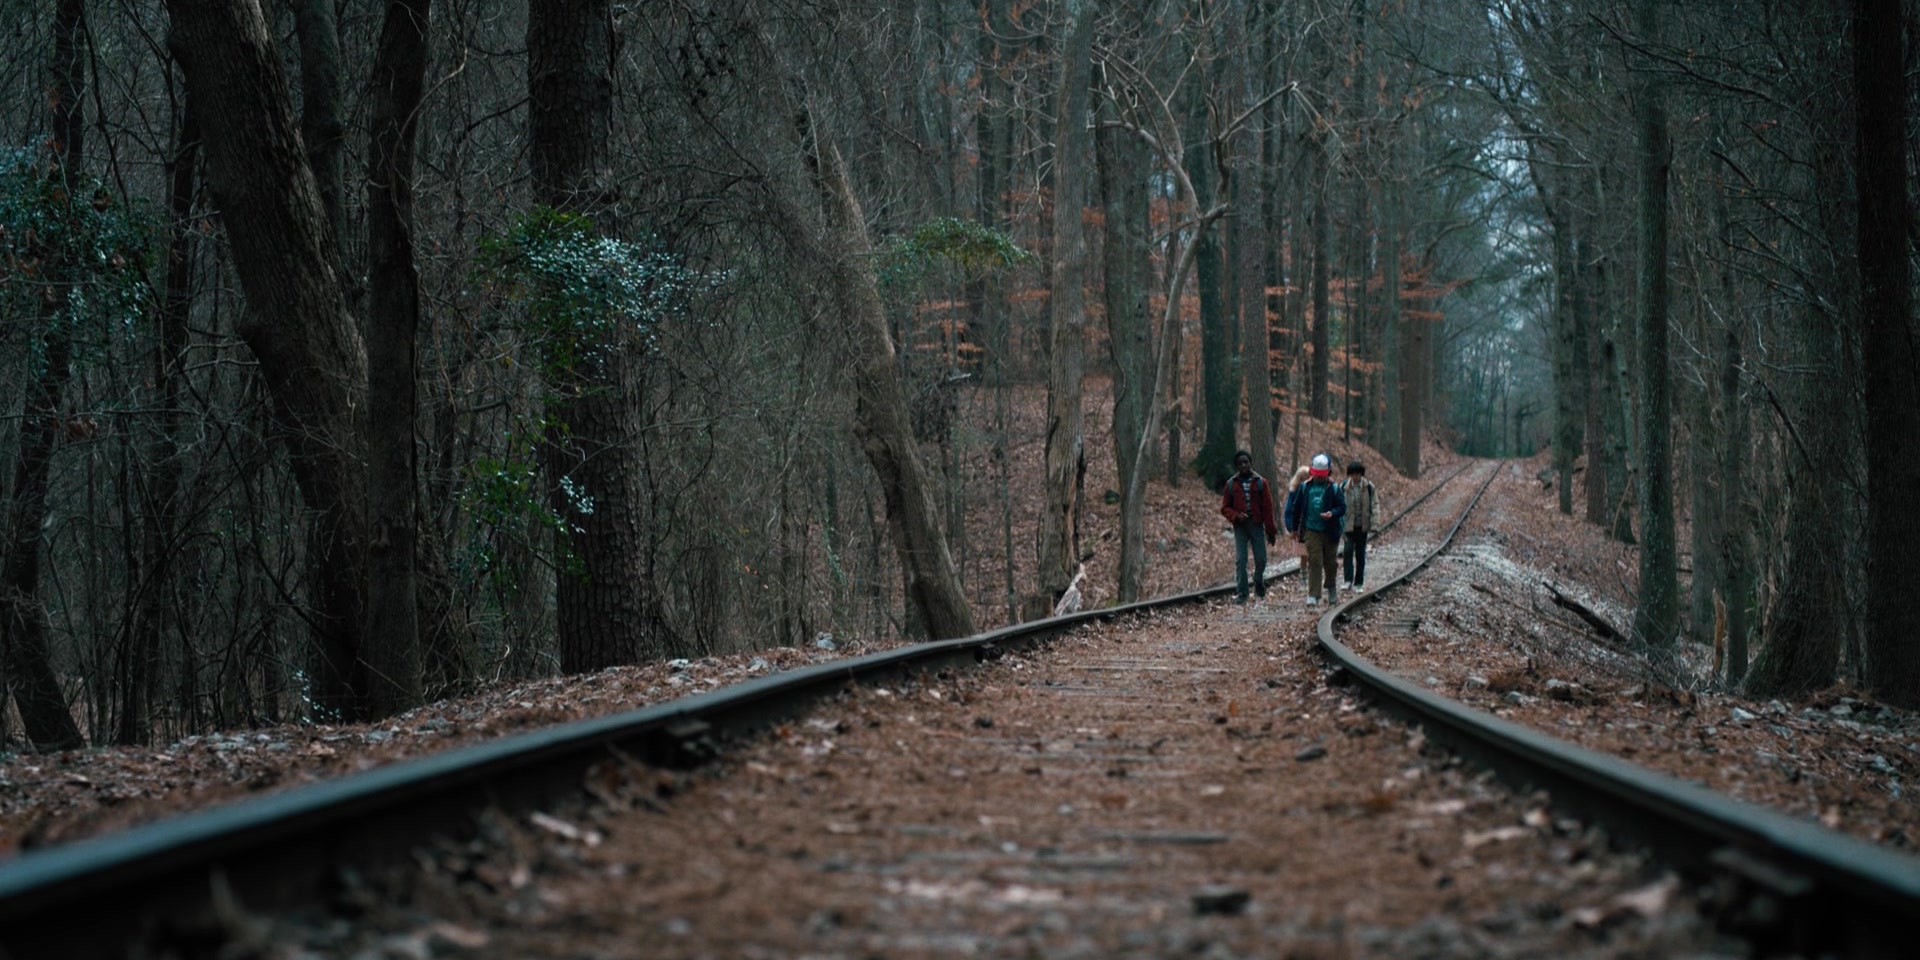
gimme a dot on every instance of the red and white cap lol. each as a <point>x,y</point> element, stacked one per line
<point>1321,465</point>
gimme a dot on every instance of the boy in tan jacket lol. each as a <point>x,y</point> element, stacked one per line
<point>1361,506</point>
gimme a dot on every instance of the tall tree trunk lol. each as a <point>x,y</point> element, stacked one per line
<point>24,651</point>
<point>1708,527</point>
<point>1387,437</point>
<point>1656,616</point>
<point>1250,258</point>
<point>1322,314</point>
<point>1066,440</point>
<point>1126,261</point>
<point>317,24</point>
<point>1737,510</point>
<point>991,132</point>
<point>1891,352</point>
<point>1569,382</point>
<point>882,422</point>
<point>162,515</point>
<point>393,323</point>
<point>603,598</point>
<point>309,349</point>
<point>1809,621</point>
<point>1219,388</point>
<point>1587,361</point>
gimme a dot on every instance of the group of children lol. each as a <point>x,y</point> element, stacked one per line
<point>1318,513</point>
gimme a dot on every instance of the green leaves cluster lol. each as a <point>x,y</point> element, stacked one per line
<point>70,257</point>
<point>585,294</point>
<point>974,248</point>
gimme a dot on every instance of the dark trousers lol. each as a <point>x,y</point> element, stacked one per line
<point>1355,563</point>
<point>1247,535</point>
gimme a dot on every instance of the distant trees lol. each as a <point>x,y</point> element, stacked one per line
<point>1763,314</point>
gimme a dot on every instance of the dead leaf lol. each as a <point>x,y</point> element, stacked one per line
<point>459,936</point>
<point>1651,900</point>
<point>1474,840</point>
<point>564,830</point>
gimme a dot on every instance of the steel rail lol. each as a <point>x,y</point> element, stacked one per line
<point>185,876</point>
<point>1803,888</point>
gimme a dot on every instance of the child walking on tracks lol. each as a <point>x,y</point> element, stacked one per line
<point>1358,492</point>
<point>1316,516</point>
<point>1248,505</point>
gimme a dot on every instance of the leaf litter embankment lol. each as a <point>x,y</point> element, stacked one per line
<point>1480,626</point>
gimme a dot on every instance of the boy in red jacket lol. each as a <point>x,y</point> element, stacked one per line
<point>1248,504</point>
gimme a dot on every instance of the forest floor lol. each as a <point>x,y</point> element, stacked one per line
<point>1489,639</point>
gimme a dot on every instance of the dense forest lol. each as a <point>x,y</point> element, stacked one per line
<point>359,351</point>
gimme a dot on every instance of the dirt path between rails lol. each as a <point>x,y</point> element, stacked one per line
<point>1083,802</point>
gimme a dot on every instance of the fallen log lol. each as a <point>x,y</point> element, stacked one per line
<point>1581,610</point>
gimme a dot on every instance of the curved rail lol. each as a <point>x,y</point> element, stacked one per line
<point>1807,888</point>
<point>283,848</point>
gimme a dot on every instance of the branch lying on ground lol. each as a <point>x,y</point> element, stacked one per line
<point>1581,610</point>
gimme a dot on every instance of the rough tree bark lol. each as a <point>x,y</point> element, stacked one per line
<point>603,600</point>
<point>1249,246</point>
<point>317,24</point>
<point>1219,388</point>
<point>1736,502</point>
<point>1569,382</point>
<point>309,349</point>
<point>995,169</point>
<point>1065,448</point>
<point>1809,620</point>
<point>24,651</point>
<point>1891,352</point>
<point>1658,611</point>
<point>1322,313</point>
<point>1126,262</point>
<point>393,321</point>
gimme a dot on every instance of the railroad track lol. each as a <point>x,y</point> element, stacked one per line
<point>1090,791</point>
<point>1806,889</point>
<point>282,849</point>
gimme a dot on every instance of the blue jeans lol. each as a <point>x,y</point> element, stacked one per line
<point>1356,559</point>
<point>1245,535</point>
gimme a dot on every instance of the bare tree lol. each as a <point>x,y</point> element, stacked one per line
<point>393,322</point>
<point>1892,360</point>
<point>1658,612</point>
<point>310,353</point>
<point>1066,441</point>
<point>24,651</point>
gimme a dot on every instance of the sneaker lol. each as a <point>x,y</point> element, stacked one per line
<point>1347,584</point>
<point>1312,600</point>
<point>1240,600</point>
